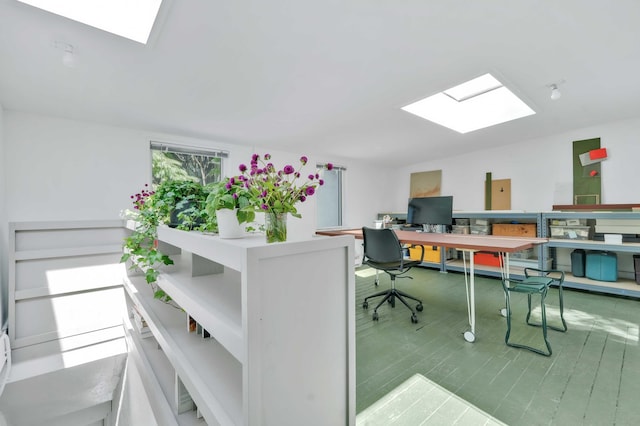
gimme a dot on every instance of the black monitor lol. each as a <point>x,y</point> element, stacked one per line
<point>430,211</point>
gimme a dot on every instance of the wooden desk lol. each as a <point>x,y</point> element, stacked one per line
<point>468,244</point>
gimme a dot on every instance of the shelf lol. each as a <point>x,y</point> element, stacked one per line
<point>227,252</point>
<point>210,373</point>
<point>67,252</point>
<point>623,287</point>
<point>214,301</point>
<point>594,245</point>
<point>492,271</point>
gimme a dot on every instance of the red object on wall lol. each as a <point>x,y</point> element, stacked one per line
<point>593,173</point>
<point>486,258</point>
<point>598,154</point>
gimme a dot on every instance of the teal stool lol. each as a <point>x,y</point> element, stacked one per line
<point>536,282</point>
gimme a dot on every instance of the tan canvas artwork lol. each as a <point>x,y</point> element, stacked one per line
<point>425,184</point>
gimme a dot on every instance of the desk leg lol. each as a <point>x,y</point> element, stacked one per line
<point>469,282</point>
<point>504,272</point>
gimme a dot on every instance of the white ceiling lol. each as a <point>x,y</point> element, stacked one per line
<point>329,77</point>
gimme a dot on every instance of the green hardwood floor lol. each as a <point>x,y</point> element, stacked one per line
<point>592,378</point>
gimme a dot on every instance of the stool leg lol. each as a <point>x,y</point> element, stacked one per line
<point>543,295</point>
<point>508,307</point>
<point>543,309</point>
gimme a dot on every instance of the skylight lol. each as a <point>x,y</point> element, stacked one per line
<point>132,19</point>
<point>476,104</point>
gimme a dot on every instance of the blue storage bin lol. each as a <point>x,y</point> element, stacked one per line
<point>601,266</point>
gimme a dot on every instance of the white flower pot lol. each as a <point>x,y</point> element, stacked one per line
<point>228,226</point>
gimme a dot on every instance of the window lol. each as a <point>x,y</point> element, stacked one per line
<point>330,198</point>
<point>185,163</point>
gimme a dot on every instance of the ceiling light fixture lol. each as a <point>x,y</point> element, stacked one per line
<point>555,92</point>
<point>68,53</point>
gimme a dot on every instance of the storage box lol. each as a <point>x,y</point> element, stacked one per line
<point>480,229</point>
<point>431,253</point>
<point>571,232</point>
<point>480,222</point>
<point>523,254</point>
<point>486,258</point>
<point>460,229</point>
<point>514,229</point>
<point>602,266</point>
<point>577,262</point>
<point>462,222</point>
<point>613,238</point>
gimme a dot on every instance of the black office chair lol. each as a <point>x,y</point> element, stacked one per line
<point>383,251</point>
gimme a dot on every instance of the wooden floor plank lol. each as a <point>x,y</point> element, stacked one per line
<point>593,376</point>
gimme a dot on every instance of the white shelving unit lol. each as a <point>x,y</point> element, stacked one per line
<point>64,280</point>
<point>282,330</point>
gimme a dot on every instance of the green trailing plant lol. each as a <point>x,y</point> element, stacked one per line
<point>185,201</point>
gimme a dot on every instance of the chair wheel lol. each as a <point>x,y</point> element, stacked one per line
<point>392,301</point>
<point>419,307</point>
<point>414,319</point>
<point>375,316</point>
<point>365,305</point>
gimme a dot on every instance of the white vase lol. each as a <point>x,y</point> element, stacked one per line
<point>228,226</point>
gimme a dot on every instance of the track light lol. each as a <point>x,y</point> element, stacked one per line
<point>555,92</point>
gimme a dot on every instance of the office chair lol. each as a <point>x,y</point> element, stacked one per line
<point>536,281</point>
<point>383,251</point>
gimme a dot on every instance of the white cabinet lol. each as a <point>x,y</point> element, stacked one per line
<point>281,322</point>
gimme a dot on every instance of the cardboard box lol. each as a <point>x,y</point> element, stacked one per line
<point>515,229</point>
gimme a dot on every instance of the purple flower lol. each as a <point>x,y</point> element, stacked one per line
<point>288,169</point>
<point>264,207</point>
<point>311,177</point>
<point>267,156</point>
<point>255,157</point>
<point>329,166</point>
<point>228,185</point>
<point>310,190</point>
<point>243,168</point>
<point>302,198</point>
<point>235,196</point>
<point>304,160</point>
<point>321,182</point>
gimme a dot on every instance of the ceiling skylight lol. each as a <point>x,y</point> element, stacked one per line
<point>132,19</point>
<point>476,104</point>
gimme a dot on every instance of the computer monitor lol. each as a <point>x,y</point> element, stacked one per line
<point>430,211</point>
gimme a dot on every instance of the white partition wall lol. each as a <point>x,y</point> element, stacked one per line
<point>274,341</point>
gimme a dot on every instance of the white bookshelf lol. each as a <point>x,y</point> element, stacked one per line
<point>281,321</point>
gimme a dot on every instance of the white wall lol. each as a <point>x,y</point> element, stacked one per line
<point>541,170</point>
<point>60,169</point>
<point>3,227</point>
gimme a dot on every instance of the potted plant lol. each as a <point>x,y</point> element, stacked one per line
<point>276,192</point>
<point>182,204</point>
<point>230,202</point>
